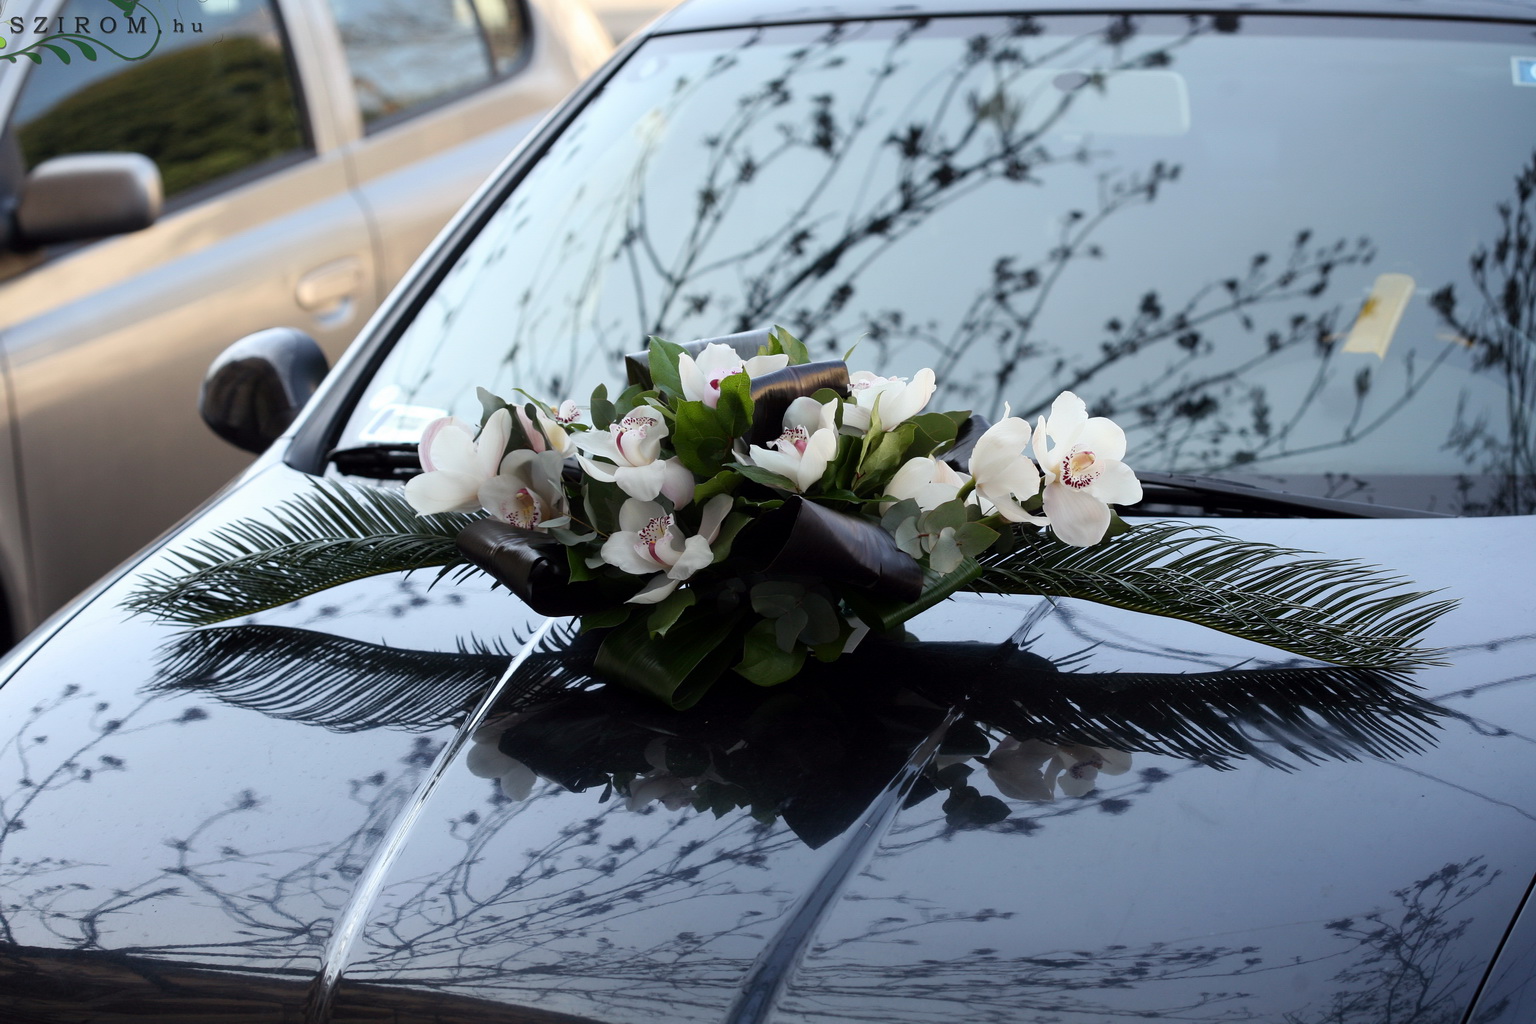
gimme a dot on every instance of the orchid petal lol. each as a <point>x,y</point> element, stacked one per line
<point>657,590</point>
<point>1076,518</point>
<point>677,483</point>
<point>443,491</point>
<point>633,515</point>
<point>642,482</point>
<point>1116,484</point>
<point>715,511</point>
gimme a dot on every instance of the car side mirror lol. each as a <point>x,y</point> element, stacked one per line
<point>88,195</point>
<point>256,387</point>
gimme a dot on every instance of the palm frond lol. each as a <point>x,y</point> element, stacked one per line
<point>347,685</point>
<point>1330,609</point>
<point>309,543</point>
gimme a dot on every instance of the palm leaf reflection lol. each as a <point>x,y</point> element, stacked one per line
<point>350,686</point>
<point>814,752</point>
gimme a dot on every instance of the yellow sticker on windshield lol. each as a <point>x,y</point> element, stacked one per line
<point>1380,315</point>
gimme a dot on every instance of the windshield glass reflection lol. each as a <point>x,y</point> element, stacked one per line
<point>1246,274</point>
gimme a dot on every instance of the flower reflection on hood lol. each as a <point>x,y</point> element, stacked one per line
<point>1034,769</point>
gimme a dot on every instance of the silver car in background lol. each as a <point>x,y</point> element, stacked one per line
<point>301,153</point>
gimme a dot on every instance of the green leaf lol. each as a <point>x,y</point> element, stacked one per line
<point>724,482</point>
<point>679,668</point>
<point>700,438</point>
<point>578,565</point>
<point>602,409</point>
<point>1331,609</point>
<point>602,502</point>
<point>58,51</point>
<point>780,340</point>
<point>605,619</point>
<point>85,49</point>
<point>489,403</point>
<point>949,515</point>
<point>931,431</point>
<point>726,537</point>
<point>760,475</point>
<point>763,662</point>
<point>974,538</point>
<point>735,408</point>
<point>667,611</point>
<point>882,460</point>
<point>663,360</point>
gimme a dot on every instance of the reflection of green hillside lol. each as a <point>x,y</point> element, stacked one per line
<point>199,113</point>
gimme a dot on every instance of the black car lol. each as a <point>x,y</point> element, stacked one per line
<point>1288,246</point>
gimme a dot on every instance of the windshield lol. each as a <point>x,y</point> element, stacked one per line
<point>1291,251</point>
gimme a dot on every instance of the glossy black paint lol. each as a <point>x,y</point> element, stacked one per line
<point>264,825</point>
<point>256,387</point>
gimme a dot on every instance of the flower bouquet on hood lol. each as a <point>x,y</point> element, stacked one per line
<point>740,508</point>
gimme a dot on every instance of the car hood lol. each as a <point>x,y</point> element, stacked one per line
<point>296,817</point>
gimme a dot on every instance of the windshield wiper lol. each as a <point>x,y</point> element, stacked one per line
<point>378,461</point>
<point>1214,494</point>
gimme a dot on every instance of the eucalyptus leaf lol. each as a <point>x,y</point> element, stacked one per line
<point>663,361</point>
<point>602,411</point>
<point>763,662</point>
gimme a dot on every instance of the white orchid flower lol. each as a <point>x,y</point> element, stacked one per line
<point>528,491</point>
<point>1083,471</point>
<point>633,446</point>
<point>1004,474</point>
<point>1080,767</point>
<point>701,377</point>
<point>554,427</point>
<point>648,542</point>
<point>897,399</point>
<point>929,482</point>
<point>1034,769</point>
<point>802,452</point>
<point>457,463</point>
<point>486,761</point>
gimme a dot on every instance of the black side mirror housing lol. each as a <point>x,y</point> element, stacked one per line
<point>87,195</point>
<point>256,387</point>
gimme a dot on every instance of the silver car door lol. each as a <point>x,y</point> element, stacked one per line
<point>107,341</point>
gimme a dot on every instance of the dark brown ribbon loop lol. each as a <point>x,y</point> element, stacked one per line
<point>773,392</point>
<point>802,538</point>
<point>534,567</point>
<point>637,365</point>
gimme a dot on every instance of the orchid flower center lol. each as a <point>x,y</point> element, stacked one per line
<point>1079,469</point>
<point>793,437</point>
<point>568,413</point>
<point>633,428</point>
<point>652,534</point>
<point>720,375</point>
<point>527,511</point>
<point>1079,769</point>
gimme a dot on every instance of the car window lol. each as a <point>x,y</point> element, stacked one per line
<point>214,103</point>
<point>407,55</point>
<point>1278,248</point>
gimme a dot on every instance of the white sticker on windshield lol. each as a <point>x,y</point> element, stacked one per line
<point>1524,69</point>
<point>1380,315</point>
<point>399,424</point>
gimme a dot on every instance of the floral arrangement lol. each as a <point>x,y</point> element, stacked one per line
<point>740,508</point>
<point>765,502</point>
